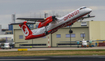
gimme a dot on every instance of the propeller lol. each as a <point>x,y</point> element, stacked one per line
<point>54,18</point>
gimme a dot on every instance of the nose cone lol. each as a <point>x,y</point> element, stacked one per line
<point>89,10</point>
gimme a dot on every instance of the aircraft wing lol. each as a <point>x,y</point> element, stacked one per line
<point>21,23</point>
<point>88,17</point>
<point>33,19</point>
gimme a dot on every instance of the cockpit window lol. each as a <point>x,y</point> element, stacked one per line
<point>82,8</point>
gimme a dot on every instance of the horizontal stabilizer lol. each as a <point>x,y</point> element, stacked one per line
<point>33,19</point>
<point>21,23</point>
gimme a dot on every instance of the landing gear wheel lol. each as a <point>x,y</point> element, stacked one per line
<point>46,32</point>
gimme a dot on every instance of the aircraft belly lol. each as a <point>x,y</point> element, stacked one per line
<point>38,31</point>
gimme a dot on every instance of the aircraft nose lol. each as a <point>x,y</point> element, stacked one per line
<point>89,10</point>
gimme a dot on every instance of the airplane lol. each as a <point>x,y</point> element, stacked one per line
<point>51,24</point>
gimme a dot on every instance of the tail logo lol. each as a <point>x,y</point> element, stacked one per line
<point>25,30</point>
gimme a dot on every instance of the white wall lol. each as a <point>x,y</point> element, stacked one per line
<point>1,36</point>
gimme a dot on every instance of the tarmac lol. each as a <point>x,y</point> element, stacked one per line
<point>65,48</point>
<point>54,58</point>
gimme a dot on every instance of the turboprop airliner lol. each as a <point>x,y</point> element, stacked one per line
<point>52,24</point>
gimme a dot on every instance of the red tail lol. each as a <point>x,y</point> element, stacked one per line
<point>25,29</point>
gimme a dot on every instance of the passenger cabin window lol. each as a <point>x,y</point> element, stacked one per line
<point>82,35</point>
<point>68,35</point>
<point>58,35</point>
<point>44,37</point>
<point>20,36</point>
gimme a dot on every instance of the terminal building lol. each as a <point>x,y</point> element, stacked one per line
<point>90,30</point>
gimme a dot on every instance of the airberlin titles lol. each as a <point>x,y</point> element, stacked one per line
<point>71,15</point>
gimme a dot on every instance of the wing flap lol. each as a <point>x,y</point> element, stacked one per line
<point>88,17</point>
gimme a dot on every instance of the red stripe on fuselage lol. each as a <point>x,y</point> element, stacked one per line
<point>36,36</point>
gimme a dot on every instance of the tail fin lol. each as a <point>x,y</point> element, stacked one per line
<point>25,29</point>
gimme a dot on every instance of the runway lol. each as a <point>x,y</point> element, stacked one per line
<point>69,48</point>
<point>55,58</point>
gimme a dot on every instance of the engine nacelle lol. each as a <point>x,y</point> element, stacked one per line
<point>46,22</point>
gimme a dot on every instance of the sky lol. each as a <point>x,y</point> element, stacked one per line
<point>37,8</point>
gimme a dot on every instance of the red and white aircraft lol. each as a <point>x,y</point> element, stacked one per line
<point>52,24</point>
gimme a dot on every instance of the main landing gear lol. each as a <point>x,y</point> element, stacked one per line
<point>46,32</point>
<point>53,19</point>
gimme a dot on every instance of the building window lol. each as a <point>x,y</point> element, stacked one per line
<point>72,35</point>
<point>20,36</point>
<point>58,35</point>
<point>68,35</point>
<point>44,37</point>
<point>67,26</point>
<point>82,35</point>
<point>31,26</point>
<point>36,26</point>
<point>84,24</point>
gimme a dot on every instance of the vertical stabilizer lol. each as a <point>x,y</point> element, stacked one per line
<point>25,29</point>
